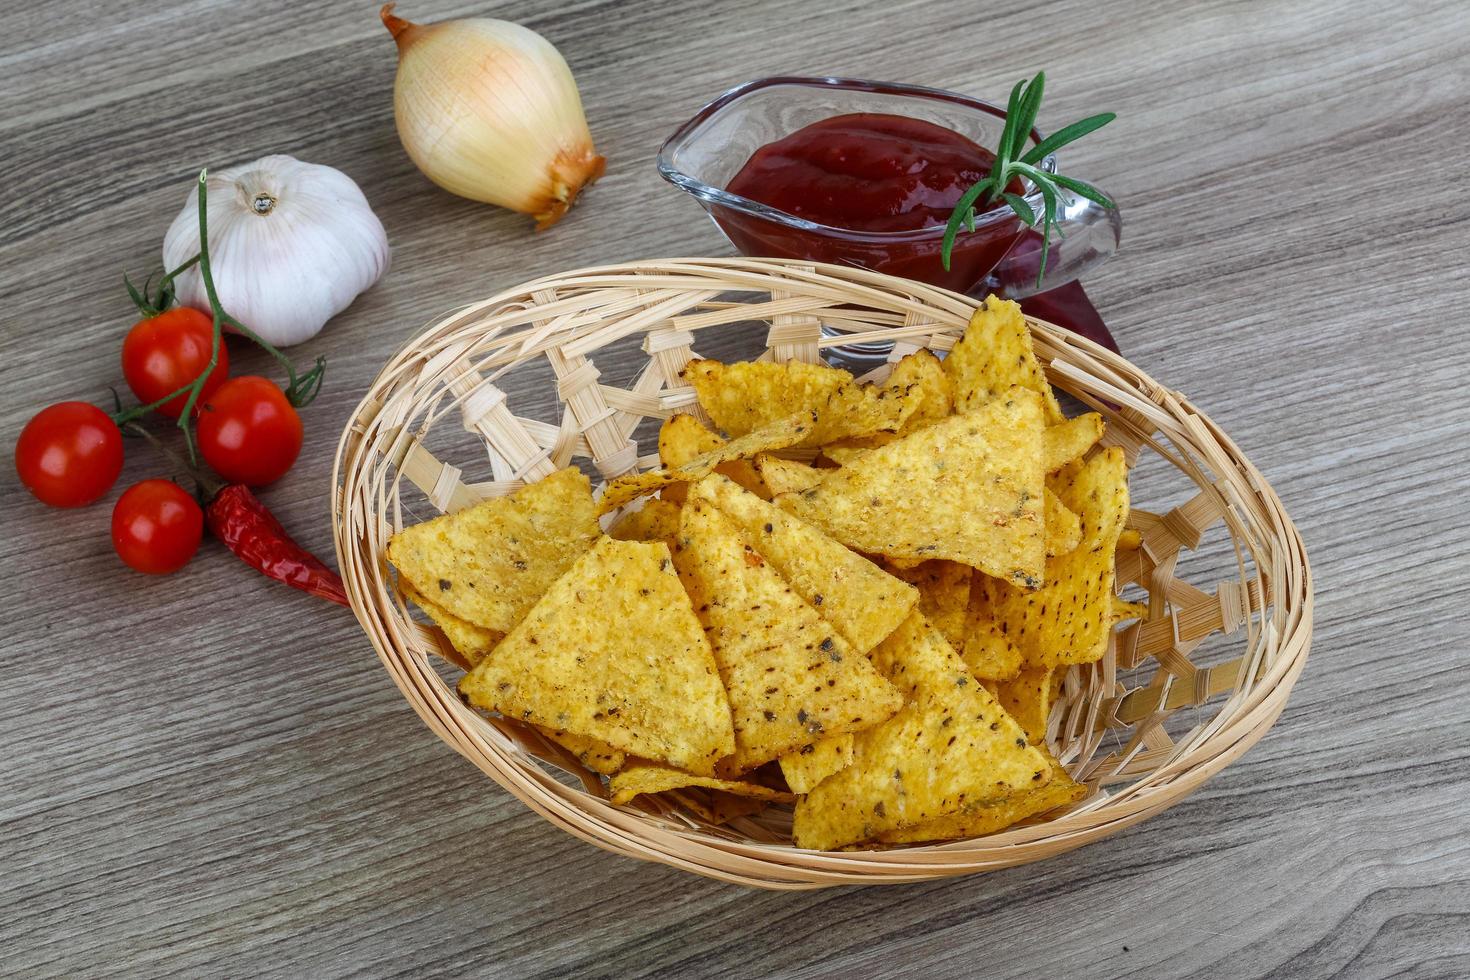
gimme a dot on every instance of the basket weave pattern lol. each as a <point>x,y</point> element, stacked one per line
<point>1143,727</point>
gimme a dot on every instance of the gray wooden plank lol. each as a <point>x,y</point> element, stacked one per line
<point>211,774</point>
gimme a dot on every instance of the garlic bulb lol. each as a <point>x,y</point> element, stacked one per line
<point>488,110</point>
<point>290,245</point>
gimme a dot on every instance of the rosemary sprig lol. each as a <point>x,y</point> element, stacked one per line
<point>1011,163</point>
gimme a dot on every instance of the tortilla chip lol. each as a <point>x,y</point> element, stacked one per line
<point>842,454</point>
<point>857,411</point>
<point>860,600</point>
<point>950,747</point>
<point>1130,540</point>
<point>1123,609</point>
<point>1063,528</point>
<point>489,564</point>
<point>944,596</point>
<point>683,437</point>
<point>1066,441</point>
<point>783,475</point>
<point>748,395</point>
<point>1061,790</point>
<point>815,761</point>
<point>470,641</point>
<point>790,676</point>
<point>968,489</point>
<point>597,756</point>
<point>987,651</point>
<point>614,652</point>
<point>656,520</point>
<point>1027,697</point>
<point>1068,621</point>
<point>921,377</point>
<point>638,779</point>
<point>778,435</point>
<point>724,807</point>
<point>994,354</point>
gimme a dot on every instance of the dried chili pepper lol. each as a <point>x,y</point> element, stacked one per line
<point>238,518</point>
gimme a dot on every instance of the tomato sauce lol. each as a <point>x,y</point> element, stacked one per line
<point>868,176</point>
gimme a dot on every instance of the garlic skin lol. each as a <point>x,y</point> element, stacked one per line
<point>291,244</point>
<point>489,110</point>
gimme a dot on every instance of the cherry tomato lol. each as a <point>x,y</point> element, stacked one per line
<point>165,352</point>
<point>156,527</point>
<point>249,432</point>
<point>69,454</point>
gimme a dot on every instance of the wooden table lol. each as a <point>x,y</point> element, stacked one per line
<point>210,774</point>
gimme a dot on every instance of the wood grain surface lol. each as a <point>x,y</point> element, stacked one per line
<point>211,775</point>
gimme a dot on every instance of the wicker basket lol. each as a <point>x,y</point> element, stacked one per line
<point>1178,696</point>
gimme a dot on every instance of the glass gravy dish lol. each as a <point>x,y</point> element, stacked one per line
<point>704,154</point>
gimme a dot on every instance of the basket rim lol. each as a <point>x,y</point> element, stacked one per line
<point>629,831</point>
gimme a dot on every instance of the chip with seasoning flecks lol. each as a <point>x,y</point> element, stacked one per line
<point>918,378</point>
<point>968,489</point>
<point>683,437</point>
<point>988,818</point>
<point>656,520</point>
<point>949,748</point>
<point>747,395</point>
<point>812,763</point>
<point>470,641</point>
<point>1063,528</point>
<point>1068,621</point>
<point>780,434</point>
<point>790,676</point>
<point>784,475</point>
<point>488,564</point>
<point>1066,441</point>
<point>944,595</point>
<point>595,755</point>
<point>614,652</point>
<point>636,780</point>
<point>994,354</point>
<point>987,651</point>
<point>860,600</point>
<point>1027,697</point>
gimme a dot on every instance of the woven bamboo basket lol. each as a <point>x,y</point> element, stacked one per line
<point>1179,695</point>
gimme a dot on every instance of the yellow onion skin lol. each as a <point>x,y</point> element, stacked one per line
<point>489,110</point>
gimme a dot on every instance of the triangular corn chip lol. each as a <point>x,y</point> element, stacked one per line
<point>813,763</point>
<point>1068,621</point>
<point>1066,441</point>
<point>994,354</point>
<point>723,807</point>
<point>944,595</point>
<point>1123,609</point>
<point>470,641</point>
<point>950,747</point>
<point>595,755</point>
<point>1027,697</point>
<point>790,676</point>
<point>860,600</point>
<point>783,475</point>
<point>1063,528</point>
<point>988,818</point>
<point>614,652</point>
<point>636,780</point>
<point>968,489</point>
<point>857,411</point>
<point>656,520</point>
<point>748,395</point>
<point>1130,540</point>
<point>683,437</point>
<point>987,651</point>
<point>488,564</point>
<point>919,379</point>
<point>778,435</point>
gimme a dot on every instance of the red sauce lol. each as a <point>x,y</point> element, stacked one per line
<point>870,175</point>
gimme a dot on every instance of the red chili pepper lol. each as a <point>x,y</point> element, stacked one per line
<point>240,520</point>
